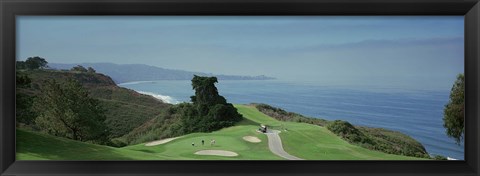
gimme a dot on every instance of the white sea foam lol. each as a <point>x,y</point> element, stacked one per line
<point>134,82</point>
<point>164,98</point>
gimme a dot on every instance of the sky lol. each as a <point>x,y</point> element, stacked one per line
<point>426,52</point>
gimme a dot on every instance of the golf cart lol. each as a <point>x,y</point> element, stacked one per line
<point>263,128</point>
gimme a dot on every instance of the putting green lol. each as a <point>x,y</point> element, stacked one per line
<point>230,139</point>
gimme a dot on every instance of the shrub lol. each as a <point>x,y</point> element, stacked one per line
<point>439,157</point>
<point>117,143</point>
<point>348,132</point>
<point>283,115</point>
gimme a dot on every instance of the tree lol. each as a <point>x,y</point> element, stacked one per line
<point>21,65</point>
<point>453,119</point>
<point>79,68</point>
<point>23,102</point>
<point>209,110</point>
<point>67,110</point>
<point>36,62</point>
<point>206,94</point>
<point>91,70</point>
<point>22,80</point>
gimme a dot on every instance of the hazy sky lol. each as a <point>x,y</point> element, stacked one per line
<point>428,51</point>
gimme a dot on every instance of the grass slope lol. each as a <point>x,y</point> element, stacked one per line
<point>37,146</point>
<point>314,142</point>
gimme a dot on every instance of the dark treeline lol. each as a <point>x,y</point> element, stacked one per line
<point>32,63</point>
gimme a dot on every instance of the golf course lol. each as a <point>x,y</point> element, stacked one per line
<point>300,140</point>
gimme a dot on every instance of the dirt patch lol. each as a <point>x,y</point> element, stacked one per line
<point>252,139</point>
<point>216,153</point>
<point>163,141</point>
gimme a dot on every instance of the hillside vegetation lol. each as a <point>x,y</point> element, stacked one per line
<point>125,109</point>
<point>132,117</point>
<point>283,115</point>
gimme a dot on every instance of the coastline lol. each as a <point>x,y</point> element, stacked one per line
<point>331,104</point>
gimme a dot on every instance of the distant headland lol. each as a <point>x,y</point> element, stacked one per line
<point>122,73</point>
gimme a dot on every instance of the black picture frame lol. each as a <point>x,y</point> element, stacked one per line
<point>9,9</point>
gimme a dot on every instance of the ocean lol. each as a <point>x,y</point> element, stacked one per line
<point>417,113</point>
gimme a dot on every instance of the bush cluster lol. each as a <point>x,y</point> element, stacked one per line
<point>283,115</point>
<point>348,132</point>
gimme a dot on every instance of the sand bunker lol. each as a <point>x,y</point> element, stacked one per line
<point>252,139</point>
<point>163,141</point>
<point>216,153</point>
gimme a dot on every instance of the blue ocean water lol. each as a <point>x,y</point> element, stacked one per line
<point>417,113</point>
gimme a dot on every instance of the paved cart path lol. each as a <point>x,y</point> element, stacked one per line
<point>275,145</point>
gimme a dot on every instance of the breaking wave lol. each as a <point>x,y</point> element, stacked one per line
<point>164,98</point>
<point>134,82</point>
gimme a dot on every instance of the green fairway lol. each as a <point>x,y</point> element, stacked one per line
<point>314,142</point>
<point>252,114</point>
<point>302,140</point>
